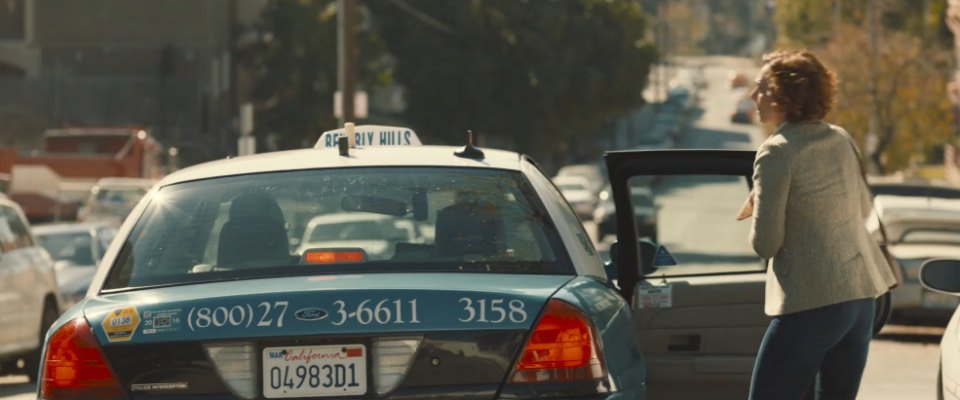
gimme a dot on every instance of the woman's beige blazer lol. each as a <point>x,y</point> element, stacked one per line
<point>808,219</point>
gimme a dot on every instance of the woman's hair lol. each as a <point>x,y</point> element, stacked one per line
<point>803,88</point>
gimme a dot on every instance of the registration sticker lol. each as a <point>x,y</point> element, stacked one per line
<point>314,371</point>
<point>655,296</point>
<point>161,321</point>
<point>120,324</point>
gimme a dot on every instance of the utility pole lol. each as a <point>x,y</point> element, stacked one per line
<point>837,17</point>
<point>347,57</point>
<point>873,135</point>
<point>664,42</point>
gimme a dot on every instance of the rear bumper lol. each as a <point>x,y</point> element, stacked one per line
<point>636,394</point>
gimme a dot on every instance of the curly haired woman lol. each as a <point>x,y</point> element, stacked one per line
<point>808,208</point>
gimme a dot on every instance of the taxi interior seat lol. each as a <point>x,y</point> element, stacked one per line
<point>255,234</point>
<point>469,227</point>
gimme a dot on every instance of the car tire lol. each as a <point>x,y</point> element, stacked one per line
<point>31,365</point>
<point>881,314</point>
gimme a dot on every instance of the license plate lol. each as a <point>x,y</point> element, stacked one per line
<point>314,371</point>
<point>939,300</point>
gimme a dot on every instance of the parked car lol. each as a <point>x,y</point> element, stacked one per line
<point>745,111</point>
<point>738,80</point>
<point>29,298</point>
<point>943,276</point>
<point>644,211</point>
<point>919,229</point>
<point>76,250</point>
<point>591,172</point>
<point>576,190</point>
<point>111,199</point>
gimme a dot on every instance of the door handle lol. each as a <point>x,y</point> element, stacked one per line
<point>684,343</point>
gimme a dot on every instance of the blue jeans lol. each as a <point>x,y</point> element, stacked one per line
<point>826,345</point>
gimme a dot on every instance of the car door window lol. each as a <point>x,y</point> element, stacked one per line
<point>694,218</point>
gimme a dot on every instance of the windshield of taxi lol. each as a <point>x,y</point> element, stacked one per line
<point>362,219</point>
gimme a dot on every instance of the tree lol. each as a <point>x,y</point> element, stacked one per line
<point>901,87</point>
<point>524,74</point>
<point>913,113</point>
<point>295,70</point>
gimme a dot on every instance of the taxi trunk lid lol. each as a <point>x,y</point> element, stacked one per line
<point>456,334</point>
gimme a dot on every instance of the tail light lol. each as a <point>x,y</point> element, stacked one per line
<point>237,365</point>
<point>74,366</point>
<point>562,348</point>
<point>391,360</point>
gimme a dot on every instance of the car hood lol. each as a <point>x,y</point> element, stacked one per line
<point>317,305</point>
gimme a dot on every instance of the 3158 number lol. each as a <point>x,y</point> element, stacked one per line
<point>492,311</point>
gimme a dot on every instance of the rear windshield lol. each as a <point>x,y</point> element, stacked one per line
<point>393,219</point>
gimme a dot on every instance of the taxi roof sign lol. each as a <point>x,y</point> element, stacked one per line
<point>371,136</point>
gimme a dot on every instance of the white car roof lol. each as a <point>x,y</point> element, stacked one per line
<point>896,203</point>
<point>346,217</point>
<point>414,156</point>
<point>925,250</point>
<point>571,179</point>
<point>52,229</point>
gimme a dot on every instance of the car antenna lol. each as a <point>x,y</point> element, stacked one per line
<point>470,151</point>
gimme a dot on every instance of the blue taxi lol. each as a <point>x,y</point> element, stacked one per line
<point>367,268</point>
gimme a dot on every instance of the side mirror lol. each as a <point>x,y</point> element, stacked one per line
<point>648,256</point>
<point>647,251</point>
<point>611,266</point>
<point>941,275</point>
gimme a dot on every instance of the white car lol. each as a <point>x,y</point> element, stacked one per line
<point>595,175</point>
<point>111,199</point>
<point>919,228</point>
<point>376,233</point>
<point>76,250</point>
<point>29,299</point>
<point>943,276</point>
<point>577,190</point>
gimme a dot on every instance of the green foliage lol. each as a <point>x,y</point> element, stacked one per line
<point>804,22</point>
<point>295,69</point>
<point>529,74</point>
<point>902,86</point>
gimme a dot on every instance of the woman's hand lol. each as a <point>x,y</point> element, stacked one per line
<point>746,210</point>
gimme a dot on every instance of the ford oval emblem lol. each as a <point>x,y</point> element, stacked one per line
<point>311,314</point>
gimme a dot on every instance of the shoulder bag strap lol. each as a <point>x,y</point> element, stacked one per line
<point>863,174</point>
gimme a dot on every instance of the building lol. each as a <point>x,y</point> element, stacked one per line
<point>167,65</point>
